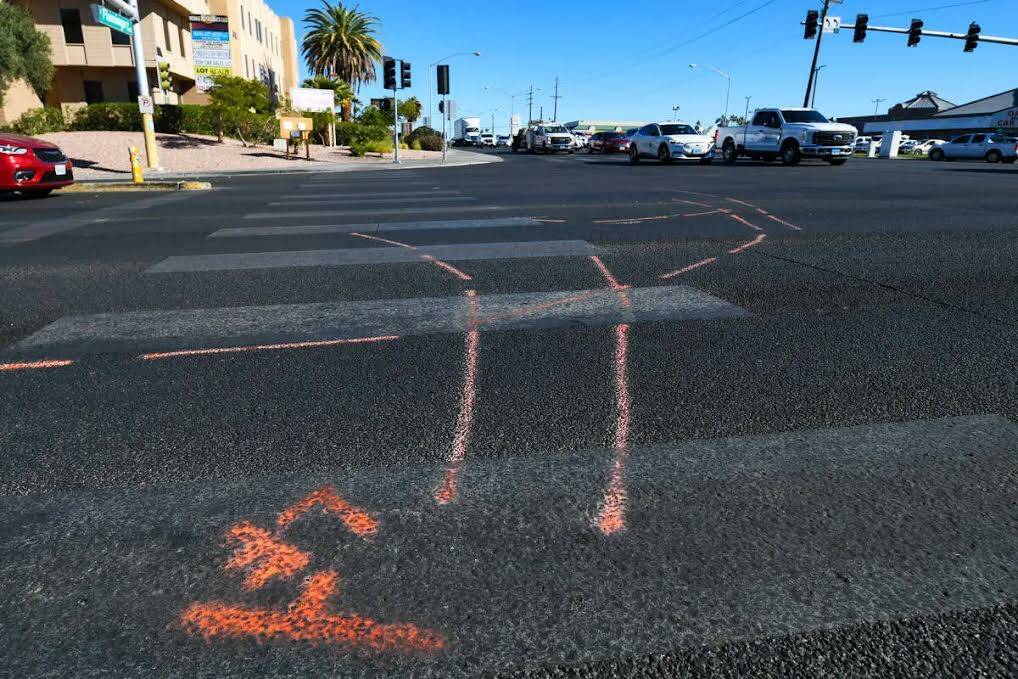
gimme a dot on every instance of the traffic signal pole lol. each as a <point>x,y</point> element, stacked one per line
<point>940,34</point>
<point>148,124</point>
<point>816,54</point>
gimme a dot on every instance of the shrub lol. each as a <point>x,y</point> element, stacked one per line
<point>415,145</point>
<point>427,138</point>
<point>348,134</point>
<point>39,121</point>
<point>122,117</point>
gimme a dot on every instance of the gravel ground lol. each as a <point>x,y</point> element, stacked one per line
<point>104,155</point>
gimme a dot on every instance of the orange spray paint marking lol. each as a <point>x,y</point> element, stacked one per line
<point>262,555</point>
<point>613,283</point>
<point>156,355</point>
<point>307,619</point>
<point>448,490</point>
<point>633,220</point>
<point>358,521</point>
<point>34,365</point>
<point>687,269</point>
<point>784,223</point>
<point>611,517</point>
<point>745,246</point>
<point>744,222</point>
<point>448,267</point>
<point>740,202</point>
<point>383,240</point>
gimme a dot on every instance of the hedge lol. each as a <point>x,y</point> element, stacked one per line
<point>38,121</point>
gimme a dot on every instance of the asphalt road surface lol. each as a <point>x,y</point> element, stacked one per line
<point>551,417</point>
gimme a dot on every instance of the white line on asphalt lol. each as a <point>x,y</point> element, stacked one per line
<point>373,213</point>
<point>314,229</point>
<point>302,196</point>
<point>373,201</point>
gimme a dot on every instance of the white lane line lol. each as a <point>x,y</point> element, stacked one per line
<point>318,229</point>
<point>372,201</point>
<point>304,214</point>
<point>383,194</point>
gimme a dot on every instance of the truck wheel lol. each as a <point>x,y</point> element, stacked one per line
<point>634,155</point>
<point>837,161</point>
<point>729,153</point>
<point>936,154</point>
<point>790,154</point>
<point>663,154</point>
<point>994,156</point>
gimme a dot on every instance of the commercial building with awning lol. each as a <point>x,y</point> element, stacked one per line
<point>592,126</point>
<point>998,112</point>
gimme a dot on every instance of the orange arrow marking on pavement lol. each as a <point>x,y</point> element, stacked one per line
<point>262,555</point>
<point>307,619</point>
<point>358,521</point>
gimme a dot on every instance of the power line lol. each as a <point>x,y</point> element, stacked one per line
<point>930,9</point>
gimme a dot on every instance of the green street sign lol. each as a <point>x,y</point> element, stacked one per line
<point>115,21</point>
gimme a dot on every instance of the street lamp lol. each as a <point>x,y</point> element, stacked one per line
<point>747,108</point>
<point>726,77</point>
<point>816,80</point>
<point>431,110</point>
<point>675,109</point>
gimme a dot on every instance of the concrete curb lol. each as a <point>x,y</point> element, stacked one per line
<point>471,159</point>
<point>111,186</point>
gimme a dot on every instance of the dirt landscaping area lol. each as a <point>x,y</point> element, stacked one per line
<point>104,155</point>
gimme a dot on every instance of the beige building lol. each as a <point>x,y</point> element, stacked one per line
<point>96,64</point>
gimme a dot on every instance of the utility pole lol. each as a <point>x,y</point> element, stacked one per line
<point>816,54</point>
<point>542,112</point>
<point>747,109</point>
<point>530,104</point>
<point>876,105</point>
<point>816,84</point>
<point>555,97</point>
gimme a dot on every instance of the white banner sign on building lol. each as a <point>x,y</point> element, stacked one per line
<point>312,100</point>
<point>210,43</point>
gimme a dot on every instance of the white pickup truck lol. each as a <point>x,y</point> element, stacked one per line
<point>790,134</point>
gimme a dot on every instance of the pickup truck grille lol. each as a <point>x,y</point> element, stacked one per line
<point>833,138</point>
<point>49,155</point>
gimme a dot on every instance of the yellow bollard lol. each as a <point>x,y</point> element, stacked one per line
<point>136,172</point>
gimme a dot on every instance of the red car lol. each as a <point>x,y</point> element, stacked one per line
<point>32,167</point>
<point>608,142</point>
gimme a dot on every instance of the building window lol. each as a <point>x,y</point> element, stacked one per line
<point>247,69</point>
<point>169,41</point>
<point>243,24</point>
<point>258,30</point>
<point>93,91</point>
<point>182,35</point>
<point>71,20</point>
<point>119,38</point>
<point>250,24</point>
<point>132,91</point>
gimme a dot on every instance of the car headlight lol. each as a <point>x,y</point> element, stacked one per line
<point>12,150</point>
<point>804,135</point>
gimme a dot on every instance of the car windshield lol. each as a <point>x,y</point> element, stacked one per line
<point>803,117</point>
<point>677,129</point>
<point>554,128</point>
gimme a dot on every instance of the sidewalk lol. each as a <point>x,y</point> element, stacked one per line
<point>103,157</point>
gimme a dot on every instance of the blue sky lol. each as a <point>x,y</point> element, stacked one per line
<point>632,62</point>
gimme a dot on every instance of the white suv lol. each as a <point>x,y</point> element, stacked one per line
<point>670,141</point>
<point>993,148</point>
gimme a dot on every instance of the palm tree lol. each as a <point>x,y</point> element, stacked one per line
<point>341,43</point>
<point>410,109</point>
<point>344,93</point>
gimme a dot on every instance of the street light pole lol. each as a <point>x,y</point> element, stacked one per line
<point>747,108</point>
<point>675,109</point>
<point>816,54</point>
<point>431,110</point>
<point>728,96</point>
<point>816,84</point>
<point>876,106</point>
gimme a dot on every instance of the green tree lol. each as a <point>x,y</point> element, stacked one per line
<point>341,43</point>
<point>239,104</point>
<point>344,93</point>
<point>24,51</point>
<point>410,110</point>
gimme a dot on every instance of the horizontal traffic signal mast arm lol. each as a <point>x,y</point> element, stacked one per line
<point>936,34</point>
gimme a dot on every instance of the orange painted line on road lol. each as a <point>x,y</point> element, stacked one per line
<point>740,202</point>
<point>621,290</point>
<point>307,620</point>
<point>383,240</point>
<point>358,521</point>
<point>687,269</point>
<point>523,311</point>
<point>744,222</point>
<point>633,220</point>
<point>262,556</point>
<point>612,515</point>
<point>448,490</point>
<point>745,246</point>
<point>783,222</point>
<point>448,267</point>
<point>157,355</point>
<point>34,365</point>
<point>704,214</point>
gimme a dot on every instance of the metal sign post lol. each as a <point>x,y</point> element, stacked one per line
<point>395,128</point>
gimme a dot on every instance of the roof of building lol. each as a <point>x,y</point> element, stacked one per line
<point>991,104</point>
<point>925,100</point>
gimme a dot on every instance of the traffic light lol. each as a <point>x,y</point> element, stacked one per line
<point>915,32</point>
<point>443,79</point>
<point>404,74</point>
<point>389,73</point>
<point>812,21</point>
<point>163,77</point>
<point>972,39</point>
<point>441,105</point>
<point>862,22</point>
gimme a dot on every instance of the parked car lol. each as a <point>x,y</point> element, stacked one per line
<point>608,142</point>
<point>862,144</point>
<point>993,148</point>
<point>671,141</point>
<point>32,167</point>
<point>502,140</point>
<point>923,148</point>
<point>790,134</point>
